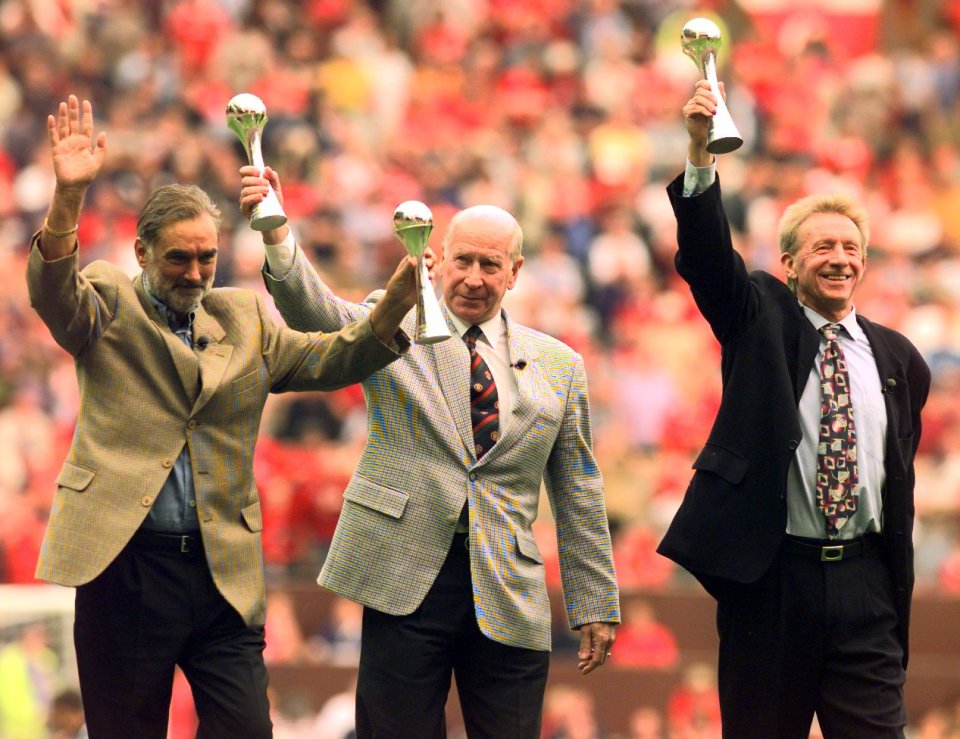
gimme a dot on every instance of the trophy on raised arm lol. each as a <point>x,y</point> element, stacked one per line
<point>412,224</point>
<point>246,117</point>
<point>701,40</point>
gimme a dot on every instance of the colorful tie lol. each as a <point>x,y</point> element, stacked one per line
<point>837,449</point>
<point>484,401</point>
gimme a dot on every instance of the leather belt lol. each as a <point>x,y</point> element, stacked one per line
<point>831,550</point>
<point>156,541</point>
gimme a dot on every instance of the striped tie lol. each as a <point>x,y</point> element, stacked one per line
<point>484,401</point>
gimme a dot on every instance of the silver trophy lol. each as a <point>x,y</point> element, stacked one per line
<point>701,40</point>
<point>412,224</point>
<point>246,117</point>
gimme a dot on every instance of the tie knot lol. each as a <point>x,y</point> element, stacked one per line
<point>473,333</point>
<point>830,331</point>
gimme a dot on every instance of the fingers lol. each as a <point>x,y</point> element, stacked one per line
<point>596,641</point>
<point>74,117</point>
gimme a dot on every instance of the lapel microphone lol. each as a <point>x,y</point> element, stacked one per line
<point>202,342</point>
<point>519,364</point>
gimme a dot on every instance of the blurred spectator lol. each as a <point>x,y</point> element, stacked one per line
<point>693,709</point>
<point>28,679</point>
<point>65,716</point>
<point>642,640</point>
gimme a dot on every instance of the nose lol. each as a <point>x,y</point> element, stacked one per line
<point>192,271</point>
<point>474,278</point>
<point>839,255</point>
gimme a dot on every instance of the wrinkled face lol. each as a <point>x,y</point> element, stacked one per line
<point>828,264</point>
<point>181,267</point>
<point>477,269</point>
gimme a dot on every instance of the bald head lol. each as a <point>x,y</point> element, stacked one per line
<point>481,259</point>
<point>493,222</point>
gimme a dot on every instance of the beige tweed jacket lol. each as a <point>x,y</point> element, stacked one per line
<point>144,395</point>
<point>418,468</point>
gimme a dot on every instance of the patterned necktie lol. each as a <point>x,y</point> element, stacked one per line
<point>484,401</point>
<point>837,475</point>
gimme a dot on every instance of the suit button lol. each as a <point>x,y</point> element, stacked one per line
<point>191,425</point>
<point>193,504</point>
<point>793,444</point>
<point>146,501</point>
<point>167,463</point>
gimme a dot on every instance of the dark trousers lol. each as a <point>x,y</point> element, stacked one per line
<point>406,664</point>
<point>812,637</point>
<point>150,610</point>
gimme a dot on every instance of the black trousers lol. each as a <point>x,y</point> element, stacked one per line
<point>812,637</point>
<point>406,663</point>
<point>151,609</point>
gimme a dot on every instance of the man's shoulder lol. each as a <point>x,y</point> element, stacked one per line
<point>541,341</point>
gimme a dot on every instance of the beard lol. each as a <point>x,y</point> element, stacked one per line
<point>179,295</point>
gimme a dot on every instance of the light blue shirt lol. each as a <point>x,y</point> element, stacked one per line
<point>175,509</point>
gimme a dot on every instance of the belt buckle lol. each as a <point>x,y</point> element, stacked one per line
<point>185,544</point>
<point>832,553</point>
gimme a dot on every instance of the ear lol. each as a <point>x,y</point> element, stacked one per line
<point>787,262</point>
<point>514,271</point>
<point>140,249</point>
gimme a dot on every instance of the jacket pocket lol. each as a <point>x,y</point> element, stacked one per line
<point>379,498</point>
<point>253,517</point>
<point>75,477</point>
<point>728,465</point>
<point>527,546</point>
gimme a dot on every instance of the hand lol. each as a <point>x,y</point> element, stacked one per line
<point>697,114</point>
<point>596,641</point>
<point>77,158</point>
<point>399,297</point>
<point>255,187</point>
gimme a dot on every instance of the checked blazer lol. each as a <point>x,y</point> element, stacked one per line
<point>418,468</point>
<point>733,518</point>
<point>144,395</point>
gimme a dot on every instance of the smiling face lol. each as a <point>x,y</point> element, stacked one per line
<point>480,262</point>
<point>827,264</point>
<point>182,263</point>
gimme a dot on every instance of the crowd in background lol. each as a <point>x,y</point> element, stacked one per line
<point>566,113</point>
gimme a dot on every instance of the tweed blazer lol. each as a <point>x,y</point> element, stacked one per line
<point>733,518</point>
<point>144,395</point>
<point>419,467</point>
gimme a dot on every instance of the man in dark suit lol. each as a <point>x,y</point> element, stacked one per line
<point>798,518</point>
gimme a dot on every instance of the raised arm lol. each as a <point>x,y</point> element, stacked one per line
<point>305,303</point>
<point>77,158</point>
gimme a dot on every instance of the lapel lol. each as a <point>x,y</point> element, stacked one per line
<point>199,370</point>
<point>213,359</point>
<point>451,360</point>
<point>893,378</point>
<point>527,367</point>
<point>184,360</point>
<point>808,344</point>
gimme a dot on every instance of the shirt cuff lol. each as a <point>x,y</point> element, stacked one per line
<point>698,179</point>
<point>280,256</point>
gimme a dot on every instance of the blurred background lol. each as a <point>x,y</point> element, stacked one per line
<point>566,113</point>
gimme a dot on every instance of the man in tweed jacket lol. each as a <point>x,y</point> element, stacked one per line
<point>435,542</point>
<point>156,518</point>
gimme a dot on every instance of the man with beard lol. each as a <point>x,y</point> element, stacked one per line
<point>156,519</point>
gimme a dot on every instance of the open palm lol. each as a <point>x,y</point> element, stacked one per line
<point>77,157</point>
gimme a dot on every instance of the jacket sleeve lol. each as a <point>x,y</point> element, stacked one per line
<point>575,491</point>
<point>75,309</point>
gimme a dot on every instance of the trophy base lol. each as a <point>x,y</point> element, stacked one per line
<point>724,144</point>
<point>267,223</point>
<point>430,338</point>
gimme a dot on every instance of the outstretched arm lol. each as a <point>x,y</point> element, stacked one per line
<point>77,158</point>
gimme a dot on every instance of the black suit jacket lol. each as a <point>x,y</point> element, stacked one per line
<point>734,515</point>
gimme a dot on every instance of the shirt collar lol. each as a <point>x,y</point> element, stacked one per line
<point>165,313</point>
<point>491,328</point>
<point>849,322</point>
